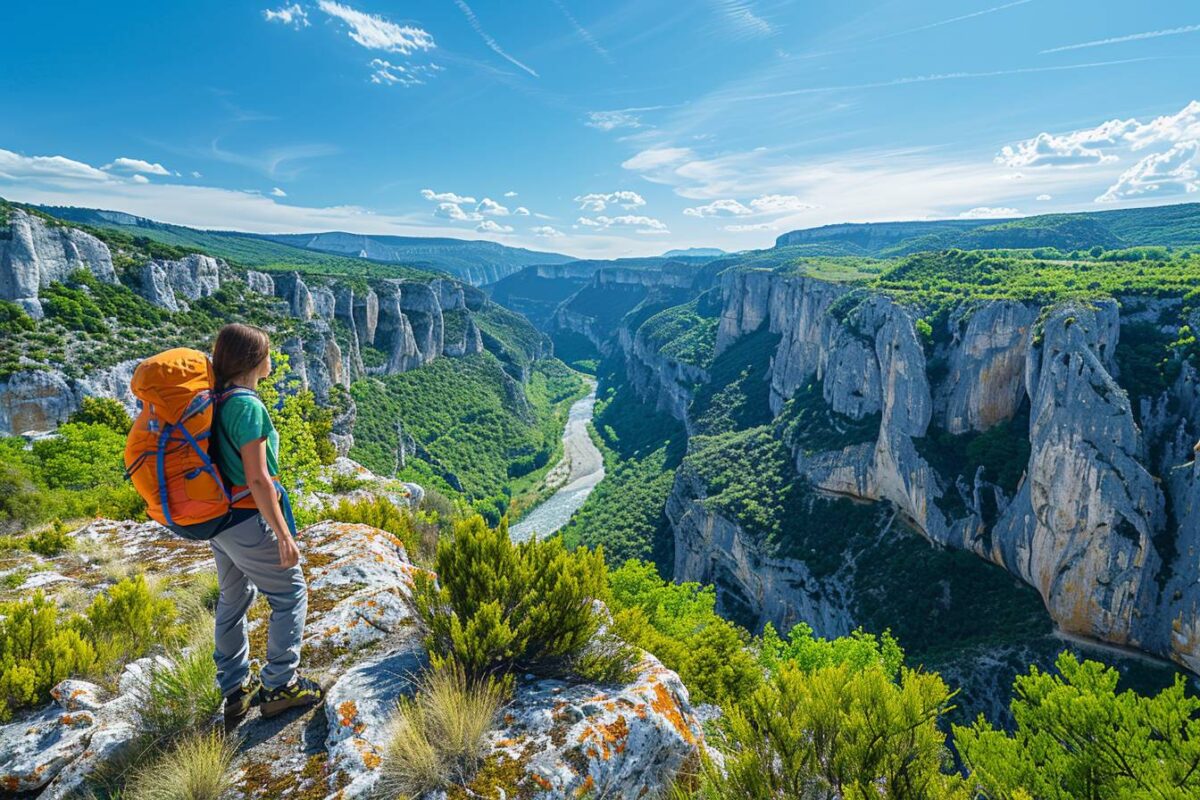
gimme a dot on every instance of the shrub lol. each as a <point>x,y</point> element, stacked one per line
<point>679,624</point>
<point>129,619</point>
<point>36,652</point>
<point>103,411</point>
<point>502,607</point>
<point>198,768</point>
<point>81,456</point>
<point>418,536</point>
<point>50,541</point>
<point>436,739</point>
<point>835,731</point>
<point>859,650</point>
<point>1077,737</point>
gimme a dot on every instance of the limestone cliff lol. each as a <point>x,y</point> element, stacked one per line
<point>1101,519</point>
<point>35,253</point>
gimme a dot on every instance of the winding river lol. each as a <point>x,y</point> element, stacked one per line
<point>584,468</point>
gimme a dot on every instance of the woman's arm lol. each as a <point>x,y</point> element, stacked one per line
<point>258,480</point>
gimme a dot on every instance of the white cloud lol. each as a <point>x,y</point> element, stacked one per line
<point>611,120</point>
<point>1169,173</point>
<point>599,201</point>
<point>491,226</point>
<point>984,212</point>
<point>642,224</point>
<point>719,208</point>
<point>293,15</point>
<point>376,33</point>
<point>140,179</point>
<point>764,204</point>
<point>1044,197</point>
<point>196,174</point>
<point>277,192</point>
<point>385,73</point>
<point>779,204</point>
<point>136,165</point>
<point>521,211</point>
<point>1183,126</point>
<point>490,207</point>
<point>446,197</point>
<point>510,194</point>
<point>52,169</point>
<point>1069,150</point>
<point>741,19</point>
<point>1083,147</point>
<point>454,211</point>
<point>657,157</point>
<point>741,228</point>
<point>546,232</point>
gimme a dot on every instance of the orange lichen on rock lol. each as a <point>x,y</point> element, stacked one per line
<point>664,703</point>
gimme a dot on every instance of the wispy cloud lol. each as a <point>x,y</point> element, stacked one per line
<point>952,20</point>
<point>657,157</point>
<point>376,33</point>
<point>277,192</point>
<point>53,169</point>
<point>491,226</point>
<point>1133,37</point>
<point>944,76</point>
<point>583,32</point>
<point>547,232</point>
<point>487,38</point>
<point>1174,172</point>
<point>274,162</point>
<point>742,20</point>
<point>987,212</point>
<point>385,73</point>
<point>293,15</point>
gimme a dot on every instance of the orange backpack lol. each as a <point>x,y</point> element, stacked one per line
<point>166,452</point>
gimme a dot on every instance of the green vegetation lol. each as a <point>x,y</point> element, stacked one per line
<point>498,607</point>
<point>679,624</point>
<point>951,277</point>
<point>576,351</point>
<point>641,448</point>
<point>686,333</point>
<point>474,427</point>
<point>198,768</point>
<point>737,395</point>
<point>1077,737</point>
<point>303,426</point>
<point>510,337</point>
<point>38,648</point>
<point>79,473</point>
<point>417,531</point>
<point>810,425</point>
<point>836,731</point>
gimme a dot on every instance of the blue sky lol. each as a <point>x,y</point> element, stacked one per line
<point>599,129</point>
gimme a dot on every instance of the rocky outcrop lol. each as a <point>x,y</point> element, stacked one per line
<point>35,400</point>
<point>291,288</point>
<point>35,253</point>
<point>260,282</point>
<point>753,582</point>
<point>171,284</point>
<point>556,739</point>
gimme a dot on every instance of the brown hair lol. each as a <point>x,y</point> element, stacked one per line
<point>238,349</point>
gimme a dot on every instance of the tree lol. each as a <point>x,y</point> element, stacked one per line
<point>1076,737</point>
<point>103,411</point>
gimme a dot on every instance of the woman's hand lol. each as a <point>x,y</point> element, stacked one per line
<point>289,554</point>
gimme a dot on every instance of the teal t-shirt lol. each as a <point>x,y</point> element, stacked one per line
<point>243,418</point>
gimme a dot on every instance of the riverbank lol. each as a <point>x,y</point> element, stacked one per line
<point>579,470</point>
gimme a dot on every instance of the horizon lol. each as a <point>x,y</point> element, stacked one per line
<point>629,131</point>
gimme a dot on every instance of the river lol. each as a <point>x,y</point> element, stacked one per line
<point>584,468</point>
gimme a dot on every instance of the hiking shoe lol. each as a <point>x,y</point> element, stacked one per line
<point>301,692</point>
<point>239,702</point>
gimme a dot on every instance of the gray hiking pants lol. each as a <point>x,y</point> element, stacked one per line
<point>247,558</point>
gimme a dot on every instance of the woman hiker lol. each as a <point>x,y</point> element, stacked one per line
<point>256,549</point>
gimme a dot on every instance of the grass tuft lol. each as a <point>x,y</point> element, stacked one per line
<point>437,737</point>
<point>198,768</point>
